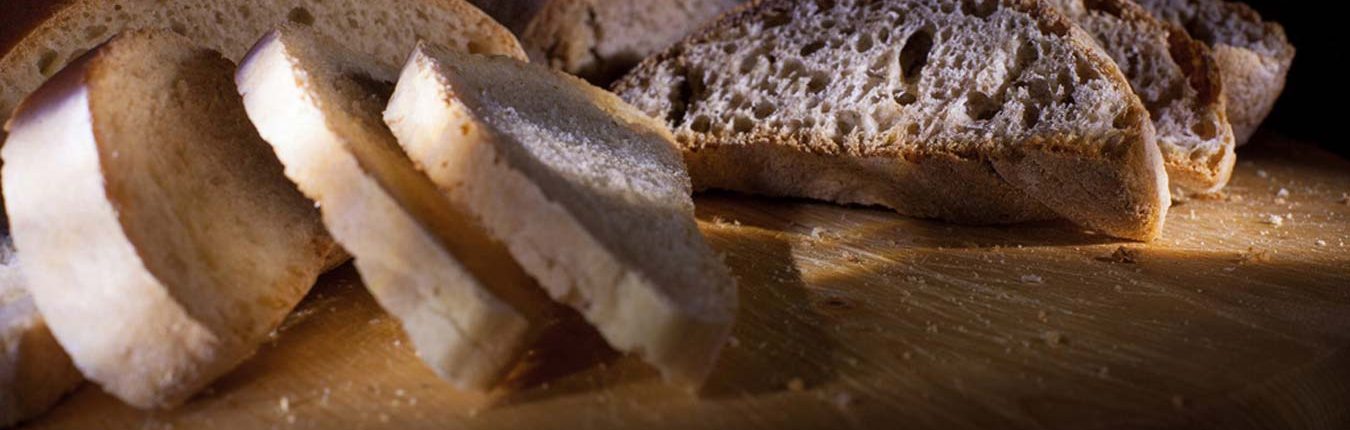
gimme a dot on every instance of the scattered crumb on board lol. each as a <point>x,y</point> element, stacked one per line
<point>1032,279</point>
<point>796,384</point>
<point>1122,255</point>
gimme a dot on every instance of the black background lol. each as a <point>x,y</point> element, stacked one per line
<point>1314,105</point>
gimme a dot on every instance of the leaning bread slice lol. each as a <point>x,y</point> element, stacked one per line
<point>34,371</point>
<point>1178,81</point>
<point>588,194</point>
<point>159,237</point>
<point>968,111</point>
<point>1254,56</point>
<point>385,29</point>
<point>467,306</point>
<point>600,40</point>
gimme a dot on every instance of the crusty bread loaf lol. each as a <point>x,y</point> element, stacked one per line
<point>159,238</point>
<point>34,371</point>
<point>1254,56</point>
<point>588,194</point>
<point>1178,81</point>
<point>989,111</point>
<point>468,308</point>
<point>600,40</point>
<point>384,29</point>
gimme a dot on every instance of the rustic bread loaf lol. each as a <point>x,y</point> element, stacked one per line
<point>384,29</point>
<point>1178,81</point>
<point>600,40</point>
<point>589,195</point>
<point>468,308</point>
<point>990,111</point>
<point>160,239</point>
<point>1254,56</point>
<point>34,371</point>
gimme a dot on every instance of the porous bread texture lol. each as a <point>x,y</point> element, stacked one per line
<point>1178,81</point>
<point>384,29</point>
<point>1254,56</point>
<point>970,111</point>
<point>34,371</point>
<point>600,40</point>
<point>589,195</point>
<point>159,237</point>
<point>468,308</point>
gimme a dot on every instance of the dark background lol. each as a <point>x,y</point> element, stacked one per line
<point>1314,104</point>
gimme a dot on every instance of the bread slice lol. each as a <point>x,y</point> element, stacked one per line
<point>1254,56</point>
<point>968,111</point>
<point>34,371</point>
<point>1178,81</point>
<point>159,237</point>
<point>588,194</point>
<point>384,29</point>
<point>600,40</point>
<point>469,309</point>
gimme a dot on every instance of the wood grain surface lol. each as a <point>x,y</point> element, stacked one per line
<point>859,318</point>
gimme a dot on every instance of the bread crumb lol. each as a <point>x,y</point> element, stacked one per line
<point>290,419</point>
<point>1053,338</point>
<point>796,384</point>
<point>284,404</point>
<point>1320,242</point>
<point>1283,193</point>
<point>817,233</point>
<point>1261,173</point>
<point>1254,255</point>
<point>733,342</point>
<point>1274,220</point>
<point>1122,255</point>
<point>1345,199</point>
<point>1192,215</point>
<point>843,399</point>
<point>1032,279</point>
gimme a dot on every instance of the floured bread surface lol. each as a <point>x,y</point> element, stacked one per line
<point>385,29</point>
<point>971,111</point>
<point>1254,56</point>
<point>159,237</point>
<point>469,309</point>
<point>589,195</point>
<point>1177,79</point>
<point>600,40</point>
<point>34,371</point>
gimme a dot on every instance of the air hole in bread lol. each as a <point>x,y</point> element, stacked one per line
<point>245,12</point>
<point>981,107</point>
<point>94,32</point>
<point>864,43</point>
<point>1125,119</point>
<point>1031,116</point>
<point>776,18</point>
<point>701,124</point>
<point>300,15</point>
<point>979,8</point>
<point>791,69</point>
<point>178,27</point>
<point>846,122</point>
<point>827,24</point>
<point>914,56</point>
<point>1084,70</point>
<point>763,110</point>
<point>905,98</point>
<point>812,47</point>
<point>817,83</point>
<point>1205,130</point>
<point>680,97</point>
<point>46,62</point>
<point>824,5</point>
<point>742,124</point>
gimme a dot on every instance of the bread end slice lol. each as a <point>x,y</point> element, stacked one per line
<point>588,194</point>
<point>159,237</point>
<point>469,309</point>
<point>34,371</point>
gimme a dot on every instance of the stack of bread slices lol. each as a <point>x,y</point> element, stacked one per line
<point>176,175</point>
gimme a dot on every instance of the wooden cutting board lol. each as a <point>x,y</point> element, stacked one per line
<point>856,317</point>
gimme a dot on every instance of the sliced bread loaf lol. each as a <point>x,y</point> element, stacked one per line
<point>588,194</point>
<point>991,111</point>
<point>600,40</point>
<point>1254,56</point>
<point>34,371</point>
<point>468,308</point>
<point>383,29</point>
<point>1178,81</point>
<point>160,239</point>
